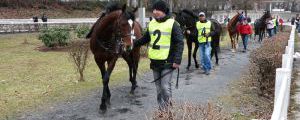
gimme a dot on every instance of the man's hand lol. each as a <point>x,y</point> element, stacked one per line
<point>175,65</point>
<point>188,32</point>
<point>207,35</point>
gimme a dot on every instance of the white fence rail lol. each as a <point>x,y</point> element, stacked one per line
<point>283,81</point>
<point>27,25</point>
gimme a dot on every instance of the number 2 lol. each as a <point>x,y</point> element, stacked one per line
<point>158,33</point>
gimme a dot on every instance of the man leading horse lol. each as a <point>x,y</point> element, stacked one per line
<point>165,50</point>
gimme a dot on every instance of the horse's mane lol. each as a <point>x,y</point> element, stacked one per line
<point>260,23</point>
<point>112,11</point>
<point>265,16</point>
<point>232,23</point>
<point>218,27</point>
<point>189,12</point>
<point>113,6</point>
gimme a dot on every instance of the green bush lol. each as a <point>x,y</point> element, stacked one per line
<point>53,37</point>
<point>82,31</point>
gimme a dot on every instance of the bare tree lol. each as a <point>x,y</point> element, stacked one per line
<point>79,54</point>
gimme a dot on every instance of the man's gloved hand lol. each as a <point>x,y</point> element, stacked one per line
<point>175,65</point>
<point>188,32</point>
<point>207,35</point>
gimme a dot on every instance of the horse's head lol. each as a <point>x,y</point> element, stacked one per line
<point>266,15</point>
<point>125,28</point>
<point>186,18</point>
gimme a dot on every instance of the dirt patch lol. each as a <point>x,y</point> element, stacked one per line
<point>55,49</point>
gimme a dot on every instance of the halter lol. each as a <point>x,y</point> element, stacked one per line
<point>119,37</point>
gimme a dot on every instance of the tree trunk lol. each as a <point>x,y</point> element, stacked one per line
<point>81,79</point>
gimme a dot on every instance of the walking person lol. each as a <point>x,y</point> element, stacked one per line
<point>281,24</point>
<point>270,27</point>
<point>275,22</point>
<point>165,39</point>
<point>297,22</point>
<point>245,30</point>
<point>205,29</point>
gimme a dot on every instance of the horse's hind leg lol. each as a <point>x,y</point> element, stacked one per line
<point>195,54</point>
<point>260,37</point>
<point>215,49</point>
<point>106,92</point>
<point>232,43</point>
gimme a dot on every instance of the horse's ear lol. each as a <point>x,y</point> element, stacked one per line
<point>124,8</point>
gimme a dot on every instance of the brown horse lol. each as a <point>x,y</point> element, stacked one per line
<point>233,33</point>
<point>112,36</point>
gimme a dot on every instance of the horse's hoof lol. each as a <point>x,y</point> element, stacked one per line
<point>188,67</point>
<point>197,66</point>
<point>108,103</point>
<point>103,107</point>
<point>131,92</point>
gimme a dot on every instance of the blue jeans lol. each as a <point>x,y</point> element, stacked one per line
<point>298,27</point>
<point>245,38</point>
<point>270,32</point>
<point>163,87</point>
<point>204,50</point>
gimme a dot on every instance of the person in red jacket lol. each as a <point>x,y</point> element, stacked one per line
<point>281,24</point>
<point>245,31</point>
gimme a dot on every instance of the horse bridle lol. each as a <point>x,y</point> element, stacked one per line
<point>119,36</point>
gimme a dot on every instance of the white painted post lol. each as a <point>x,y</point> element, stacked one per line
<point>280,74</point>
<point>291,44</point>
<point>287,50</point>
<point>285,61</point>
<point>142,15</point>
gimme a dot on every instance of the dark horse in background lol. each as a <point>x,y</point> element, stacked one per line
<point>187,20</point>
<point>260,26</point>
<point>112,37</point>
<point>233,32</point>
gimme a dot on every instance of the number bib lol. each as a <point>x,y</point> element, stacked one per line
<point>160,35</point>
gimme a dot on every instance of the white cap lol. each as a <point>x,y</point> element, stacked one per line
<point>202,13</point>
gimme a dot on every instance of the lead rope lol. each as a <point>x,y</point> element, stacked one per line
<point>142,78</point>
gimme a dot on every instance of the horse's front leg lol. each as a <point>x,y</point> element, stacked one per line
<point>232,43</point>
<point>189,46</point>
<point>134,70</point>
<point>132,61</point>
<point>237,41</point>
<point>105,100</point>
<point>135,63</point>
